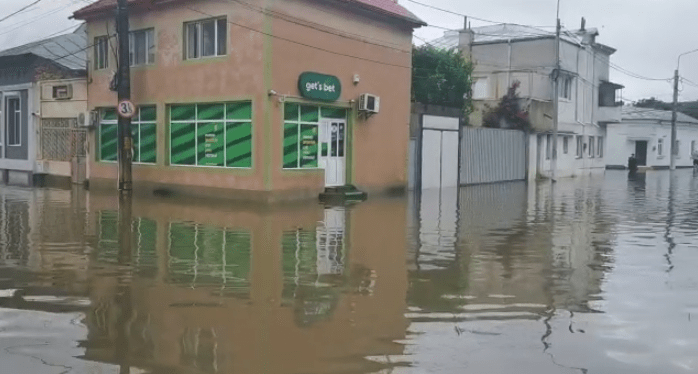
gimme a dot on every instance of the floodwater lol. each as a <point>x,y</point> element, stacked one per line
<point>591,275</point>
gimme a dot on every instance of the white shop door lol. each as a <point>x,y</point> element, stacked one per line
<point>333,151</point>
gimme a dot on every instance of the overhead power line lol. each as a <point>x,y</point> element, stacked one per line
<point>471,17</point>
<point>21,10</point>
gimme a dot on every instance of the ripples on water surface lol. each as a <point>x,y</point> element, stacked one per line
<point>593,275</point>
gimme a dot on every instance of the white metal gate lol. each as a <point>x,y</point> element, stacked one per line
<point>439,152</point>
<point>492,155</point>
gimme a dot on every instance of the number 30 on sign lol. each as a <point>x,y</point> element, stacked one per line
<point>126,109</point>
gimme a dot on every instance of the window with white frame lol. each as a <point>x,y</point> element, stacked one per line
<point>481,88</point>
<point>141,47</point>
<point>206,38</point>
<point>13,120</point>
<point>599,150</point>
<point>548,146</point>
<point>580,146</point>
<point>565,88</point>
<point>565,144</point>
<point>660,147</point>
<point>677,145</point>
<point>693,147</point>
<point>101,52</point>
<point>591,147</point>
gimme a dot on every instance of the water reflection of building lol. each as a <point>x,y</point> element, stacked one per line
<point>520,249</point>
<point>215,289</point>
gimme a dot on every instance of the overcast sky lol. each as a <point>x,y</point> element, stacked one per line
<point>648,34</point>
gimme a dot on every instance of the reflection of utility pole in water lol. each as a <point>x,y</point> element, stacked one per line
<point>671,216</point>
<point>123,297</point>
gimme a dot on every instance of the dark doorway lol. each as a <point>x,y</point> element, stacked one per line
<point>641,152</point>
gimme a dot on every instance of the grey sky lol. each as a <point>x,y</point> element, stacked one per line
<point>649,34</point>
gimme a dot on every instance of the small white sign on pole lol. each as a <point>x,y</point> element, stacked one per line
<point>126,109</point>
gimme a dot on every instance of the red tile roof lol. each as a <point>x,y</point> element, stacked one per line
<point>388,8</point>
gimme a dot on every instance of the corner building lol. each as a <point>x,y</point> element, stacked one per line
<point>256,99</point>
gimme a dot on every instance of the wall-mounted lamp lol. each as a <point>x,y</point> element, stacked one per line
<point>356,79</point>
<point>271,93</point>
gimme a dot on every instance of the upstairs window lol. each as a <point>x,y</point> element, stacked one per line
<point>580,146</point>
<point>206,38</point>
<point>481,88</point>
<point>101,52</point>
<point>565,88</point>
<point>591,147</point>
<point>141,47</point>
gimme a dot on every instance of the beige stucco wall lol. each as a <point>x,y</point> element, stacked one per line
<point>255,64</point>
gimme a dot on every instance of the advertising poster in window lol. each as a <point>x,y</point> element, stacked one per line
<point>309,146</point>
<point>211,144</point>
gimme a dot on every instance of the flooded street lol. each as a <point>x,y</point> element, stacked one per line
<point>591,275</point>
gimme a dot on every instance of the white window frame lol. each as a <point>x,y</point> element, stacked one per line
<point>198,24</point>
<point>149,37</point>
<point>7,96</point>
<point>677,149</point>
<point>599,146</point>
<point>565,88</point>
<point>592,152</point>
<point>481,84</point>
<point>580,147</point>
<point>99,55</point>
<point>548,146</point>
<point>660,147</point>
<point>565,144</point>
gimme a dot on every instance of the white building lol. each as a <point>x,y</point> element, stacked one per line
<point>505,53</point>
<point>43,110</point>
<point>647,134</point>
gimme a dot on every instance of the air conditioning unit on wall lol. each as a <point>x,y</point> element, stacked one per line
<point>63,92</point>
<point>369,103</point>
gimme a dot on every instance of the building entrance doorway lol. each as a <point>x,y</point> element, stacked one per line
<point>641,152</point>
<point>332,152</point>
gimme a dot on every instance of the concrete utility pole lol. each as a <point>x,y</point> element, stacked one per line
<point>674,108</point>
<point>556,95</point>
<point>125,152</point>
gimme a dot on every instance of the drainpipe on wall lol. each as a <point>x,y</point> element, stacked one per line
<point>509,71</point>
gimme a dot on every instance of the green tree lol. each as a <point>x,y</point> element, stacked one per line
<point>687,107</point>
<point>441,77</point>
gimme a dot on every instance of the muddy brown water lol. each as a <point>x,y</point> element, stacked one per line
<point>592,275</point>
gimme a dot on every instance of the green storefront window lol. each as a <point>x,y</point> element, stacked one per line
<point>301,148</point>
<point>143,135</point>
<point>290,146</point>
<point>211,134</point>
<point>310,114</point>
<point>211,144</point>
<point>333,113</point>
<point>108,142</point>
<point>239,145</point>
<point>183,144</point>
<point>291,112</point>
<point>309,146</point>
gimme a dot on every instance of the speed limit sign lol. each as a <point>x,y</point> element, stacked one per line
<point>126,109</point>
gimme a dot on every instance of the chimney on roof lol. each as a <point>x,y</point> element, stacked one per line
<point>465,40</point>
<point>584,23</point>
